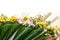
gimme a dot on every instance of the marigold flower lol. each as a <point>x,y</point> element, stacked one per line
<point>49,27</point>
<point>14,18</point>
<point>25,22</point>
<point>41,23</point>
<point>2,19</point>
<point>25,17</point>
<point>8,19</point>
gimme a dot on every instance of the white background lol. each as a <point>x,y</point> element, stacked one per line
<point>33,7</point>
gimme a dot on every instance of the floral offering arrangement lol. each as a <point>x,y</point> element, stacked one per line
<point>28,28</point>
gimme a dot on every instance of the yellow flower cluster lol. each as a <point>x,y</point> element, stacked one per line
<point>8,19</point>
<point>12,19</point>
<point>49,27</point>
<point>2,19</point>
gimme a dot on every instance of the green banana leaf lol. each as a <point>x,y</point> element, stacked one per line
<point>41,36</point>
<point>1,24</point>
<point>11,31</point>
<point>4,30</point>
<point>33,33</point>
<point>23,33</point>
<point>22,27</point>
<point>44,35</point>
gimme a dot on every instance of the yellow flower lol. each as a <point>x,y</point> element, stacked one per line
<point>57,28</point>
<point>14,18</point>
<point>8,19</point>
<point>2,19</point>
<point>25,22</point>
<point>49,27</point>
<point>41,23</point>
<point>25,17</point>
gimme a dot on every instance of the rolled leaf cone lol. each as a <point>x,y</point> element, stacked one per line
<point>40,35</point>
<point>21,28</point>
<point>33,33</point>
<point>45,17</point>
<point>43,37</point>
<point>50,24</point>
<point>46,31</point>
<point>34,28</point>
<point>44,34</point>
<point>23,33</point>
<point>4,30</point>
<point>11,31</point>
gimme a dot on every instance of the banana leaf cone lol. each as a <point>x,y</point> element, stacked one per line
<point>24,32</point>
<point>11,31</point>
<point>41,36</point>
<point>22,27</point>
<point>33,33</point>
<point>4,30</point>
<point>44,35</point>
